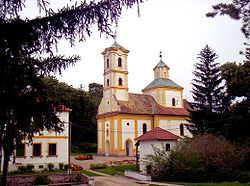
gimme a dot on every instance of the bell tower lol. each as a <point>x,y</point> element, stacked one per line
<point>115,75</point>
<point>161,70</point>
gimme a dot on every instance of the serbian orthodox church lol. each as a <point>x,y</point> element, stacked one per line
<point>124,116</point>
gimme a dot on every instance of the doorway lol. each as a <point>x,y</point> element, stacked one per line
<point>128,148</point>
<point>107,148</point>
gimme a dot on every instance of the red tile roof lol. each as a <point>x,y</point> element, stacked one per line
<point>157,134</point>
<point>146,104</point>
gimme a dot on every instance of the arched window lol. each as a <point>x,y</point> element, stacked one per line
<point>144,128</point>
<point>181,130</point>
<point>107,82</point>
<point>173,102</point>
<point>119,62</point>
<point>107,132</point>
<point>107,63</point>
<point>167,147</point>
<point>120,81</point>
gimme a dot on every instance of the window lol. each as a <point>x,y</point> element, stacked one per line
<point>181,130</point>
<point>107,82</point>
<point>107,63</point>
<point>107,132</point>
<point>167,147</point>
<point>20,150</point>
<point>127,124</point>
<point>119,62</point>
<point>52,149</point>
<point>120,81</point>
<point>144,128</point>
<point>37,149</point>
<point>173,102</point>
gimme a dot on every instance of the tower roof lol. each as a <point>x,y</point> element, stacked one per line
<point>161,64</point>
<point>115,46</point>
<point>158,134</point>
<point>162,82</point>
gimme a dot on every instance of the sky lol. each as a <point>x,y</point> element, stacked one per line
<point>178,28</point>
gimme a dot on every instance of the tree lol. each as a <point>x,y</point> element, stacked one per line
<point>27,55</point>
<point>237,10</point>
<point>237,78</point>
<point>209,98</point>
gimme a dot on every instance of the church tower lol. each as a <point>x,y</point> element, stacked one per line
<point>161,70</point>
<point>115,76</point>
<point>165,91</point>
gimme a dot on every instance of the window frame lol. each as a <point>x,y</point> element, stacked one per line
<point>167,147</point>
<point>119,62</point>
<point>37,143</point>
<point>48,149</point>
<point>24,151</point>
<point>146,130</point>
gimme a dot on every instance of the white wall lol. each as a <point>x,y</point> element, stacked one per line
<point>99,135</point>
<point>173,94</point>
<point>140,128</point>
<point>146,148</point>
<point>128,131</point>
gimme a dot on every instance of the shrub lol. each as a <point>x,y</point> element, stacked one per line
<point>66,167</point>
<point>22,169</point>
<point>42,180</point>
<point>98,165</point>
<point>50,166</point>
<point>205,158</point>
<point>29,167</point>
<point>61,165</point>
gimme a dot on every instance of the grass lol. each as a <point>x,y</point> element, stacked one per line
<point>91,174</point>
<point>118,169</point>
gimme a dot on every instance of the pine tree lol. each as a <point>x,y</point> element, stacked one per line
<point>209,99</point>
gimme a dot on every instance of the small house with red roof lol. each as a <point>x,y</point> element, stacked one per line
<point>156,137</point>
<point>124,116</point>
<point>47,147</point>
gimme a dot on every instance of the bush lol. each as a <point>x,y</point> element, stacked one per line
<point>66,167</point>
<point>98,166</point>
<point>42,180</point>
<point>29,167</point>
<point>205,158</point>
<point>50,166</point>
<point>61,165</point>
<point>22,169</point>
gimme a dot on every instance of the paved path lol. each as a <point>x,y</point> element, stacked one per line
<point>111,180</point>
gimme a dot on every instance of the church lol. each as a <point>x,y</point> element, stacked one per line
<point>124,116</point>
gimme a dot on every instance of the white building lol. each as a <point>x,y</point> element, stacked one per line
<point>157,137</point>
<point>50,147</point>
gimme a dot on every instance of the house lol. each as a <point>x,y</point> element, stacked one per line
<point>124,116</point>
<point>157,137</point>
<point>50,147</point>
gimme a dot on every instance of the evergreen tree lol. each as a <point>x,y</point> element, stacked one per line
<point>27,55</point>
<point>209,100</point>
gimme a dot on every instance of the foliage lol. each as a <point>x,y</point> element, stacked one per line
<point>237,10</point>
<point>209,98</point>
<point>28,55</point>
<point>204,158</point>
<point>98,165</point>
<point>42,180</point>
<point>237,78</point>
<point>50,166</point>
<point>29,167</point>
<point>61,165</point>
<point>155,163</point>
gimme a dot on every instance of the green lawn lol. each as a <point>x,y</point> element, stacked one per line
<point>91,174</point>
<point>118,169</point>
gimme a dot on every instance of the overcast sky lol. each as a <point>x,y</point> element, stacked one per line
<point>179,28</point>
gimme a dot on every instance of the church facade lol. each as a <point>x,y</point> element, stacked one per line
<point>124,116</point>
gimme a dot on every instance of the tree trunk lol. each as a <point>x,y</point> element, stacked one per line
<point>5,167</point>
